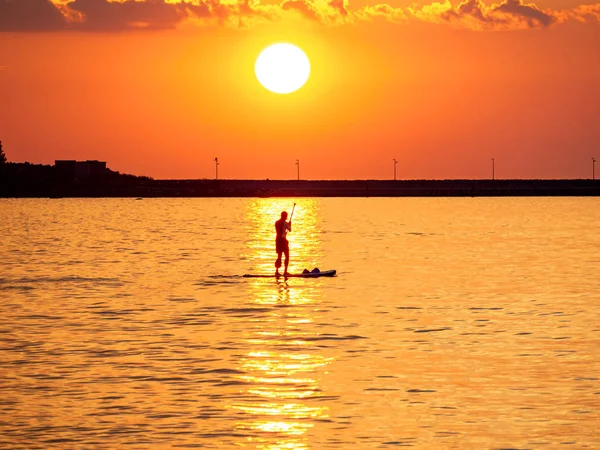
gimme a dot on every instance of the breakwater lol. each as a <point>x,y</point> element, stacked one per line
<point>374,188</point>
<point>117,185</point>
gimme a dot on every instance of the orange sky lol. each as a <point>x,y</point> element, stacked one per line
<point>161,88</point>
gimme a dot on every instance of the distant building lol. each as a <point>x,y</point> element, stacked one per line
<point>80,169</point>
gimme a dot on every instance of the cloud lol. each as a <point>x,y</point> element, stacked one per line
<point>587,13</point>
<point>101,15</point>
<point>383,11</point>
<point>29,15</point>
<point>469,12</point>
<point>323,11</point>
<point>527,13</point>
<point>302,7</point>
<point>474,14</point>
<point>122,15</point>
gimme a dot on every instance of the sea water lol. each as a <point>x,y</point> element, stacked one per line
<point>459,323</point>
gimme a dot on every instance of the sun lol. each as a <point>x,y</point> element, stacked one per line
<point>282,68</point>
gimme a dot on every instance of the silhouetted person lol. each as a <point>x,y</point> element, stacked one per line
<point>282,245</point>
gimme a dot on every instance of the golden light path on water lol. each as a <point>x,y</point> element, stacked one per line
<point>281,371</point>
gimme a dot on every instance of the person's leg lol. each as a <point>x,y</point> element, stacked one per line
<point>278,262</point>
<point>287,259</point>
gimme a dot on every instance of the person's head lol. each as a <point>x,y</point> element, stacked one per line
<point>284,215</point>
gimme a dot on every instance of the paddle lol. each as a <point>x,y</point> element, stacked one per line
<point>290,221</point>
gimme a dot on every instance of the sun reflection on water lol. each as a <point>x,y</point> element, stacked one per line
<point>282,371</point>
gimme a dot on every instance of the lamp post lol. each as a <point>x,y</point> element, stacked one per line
<point>298,168</point>
<point>493,169</point>
<point>395,163</point>
<point>593,168</point>
<point>216,168</point>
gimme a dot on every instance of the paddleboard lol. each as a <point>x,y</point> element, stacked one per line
<point>323,273</point>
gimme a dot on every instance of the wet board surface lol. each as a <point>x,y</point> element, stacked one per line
<point>324,273</point>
